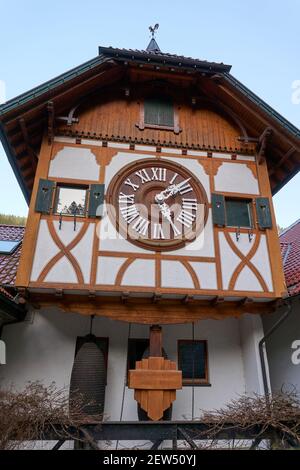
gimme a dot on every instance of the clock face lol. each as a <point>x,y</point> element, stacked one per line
<point>157,204</point>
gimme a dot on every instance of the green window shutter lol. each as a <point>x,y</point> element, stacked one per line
<point>263,212</point>
<point>218,209</point>
<point>159,112</point>
<point>96,200</point>
<point>43,201</point>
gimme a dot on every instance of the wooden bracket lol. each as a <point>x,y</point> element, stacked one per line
<point>124,297</point>
<point>262,144</point>
<point>246,301</point>
<point>25,135</point>
<point>156,298</point>
<point>217,300</point>
<point>188,299</point>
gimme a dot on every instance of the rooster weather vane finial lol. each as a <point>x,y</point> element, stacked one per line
<point>153,29</point>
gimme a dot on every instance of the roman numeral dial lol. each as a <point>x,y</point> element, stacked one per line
<point>157,204</point>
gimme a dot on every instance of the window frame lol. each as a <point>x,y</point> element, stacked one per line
<point>13,249</point>
<point>143,125</point>
<point>250,203</point>
<point>194,381</point>
<point>60,185</point>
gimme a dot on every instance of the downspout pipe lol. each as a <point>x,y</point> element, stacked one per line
<point>261,345</point>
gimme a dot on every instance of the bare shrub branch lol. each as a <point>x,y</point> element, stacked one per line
<point>26,415</point>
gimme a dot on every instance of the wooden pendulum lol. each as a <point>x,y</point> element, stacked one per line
<point>155,380</point>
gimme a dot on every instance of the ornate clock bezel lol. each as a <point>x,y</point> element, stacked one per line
<point>121,225</point>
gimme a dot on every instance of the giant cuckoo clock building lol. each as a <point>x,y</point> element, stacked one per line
<point>151,249</point>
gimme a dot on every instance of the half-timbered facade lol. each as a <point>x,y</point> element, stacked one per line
<point>149,178</point>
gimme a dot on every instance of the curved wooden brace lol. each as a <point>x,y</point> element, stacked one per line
<point>245,261</point>
<point>64,251</point>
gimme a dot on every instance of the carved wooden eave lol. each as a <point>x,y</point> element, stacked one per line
<point>144,310</point>
<point>25,119</point>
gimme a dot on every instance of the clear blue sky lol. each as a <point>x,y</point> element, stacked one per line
<point>260,39</point>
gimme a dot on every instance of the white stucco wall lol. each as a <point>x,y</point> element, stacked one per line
<point>42,348</point>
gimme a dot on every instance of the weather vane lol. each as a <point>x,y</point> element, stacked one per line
<point>153,29</point>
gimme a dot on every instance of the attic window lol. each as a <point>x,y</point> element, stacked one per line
<point>158,113</point>
<point>7,247</point>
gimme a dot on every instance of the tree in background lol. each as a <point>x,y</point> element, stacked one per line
<point>10,219</point>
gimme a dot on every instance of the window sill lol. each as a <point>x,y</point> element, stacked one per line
<point>195,384</point>
<point>174,129</point>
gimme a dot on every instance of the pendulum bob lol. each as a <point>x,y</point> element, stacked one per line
<point>155,381</point>
<point>142,415</point>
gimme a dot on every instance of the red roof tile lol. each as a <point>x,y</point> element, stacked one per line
<point>290,249</point>
<point>9,263</point>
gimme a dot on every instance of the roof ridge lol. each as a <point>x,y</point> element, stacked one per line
<point>289,228</point>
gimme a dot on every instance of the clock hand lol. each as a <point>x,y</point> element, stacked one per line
<point>166,212</point>
<point>171,190</point>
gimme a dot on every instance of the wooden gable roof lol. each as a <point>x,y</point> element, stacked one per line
<point>24,119</point>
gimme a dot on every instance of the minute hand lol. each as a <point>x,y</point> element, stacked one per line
<point>171,190</point>
<point>177,187</point>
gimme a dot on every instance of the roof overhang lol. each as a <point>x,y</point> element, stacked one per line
<point>30,108</point>
<point>10,311</point>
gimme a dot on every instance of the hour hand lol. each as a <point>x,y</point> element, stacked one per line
<point>166,212</point>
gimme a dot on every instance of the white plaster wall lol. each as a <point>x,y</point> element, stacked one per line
<point>174,274</point>
<point>251,332</point>
<point>67,233</point>
<point>108,268</point>
<point>83,252</point>
<point>236,178</point>
<point>141,272</point>
<point>203,245</point>
<point>119,160</point>
<point>243,244</point>
<point>45,249</point>
<point>42,348</point>
<point>75,163</point>
<point>62,271</point>
<point>206,273</point>
<point>247,281</point>
<point>229,260</point>
<point>261,261</point>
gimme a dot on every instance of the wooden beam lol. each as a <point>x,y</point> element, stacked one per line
<point>155,341</point>
<point>25,135</point>
<point>282,160</point>
<point>50,110</point>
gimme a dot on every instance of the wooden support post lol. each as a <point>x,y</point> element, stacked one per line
<point>155,341</point>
